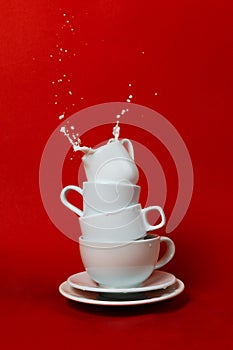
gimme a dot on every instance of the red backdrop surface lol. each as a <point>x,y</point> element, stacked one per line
<point>181,50</point>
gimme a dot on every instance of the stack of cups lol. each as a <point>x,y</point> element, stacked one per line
<point>115,247</point>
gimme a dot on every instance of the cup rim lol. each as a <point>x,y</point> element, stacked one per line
<point>97,150</point>
<point>119,183</point>
<point>112,244</point>
<point>83,218</point>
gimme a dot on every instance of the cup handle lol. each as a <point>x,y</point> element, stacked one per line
<point>169,253</point>
<point>64,200</point>
<point>151,227</point>
<point>129,147</point>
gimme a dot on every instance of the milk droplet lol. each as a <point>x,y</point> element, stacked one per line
<point>70,93</point>
<point>143,52</point>
<point>74,140</point>
<point>116,130</point>
<point>156,93</point>
<point>130,96</point>
<point>61,116</point>
<point>118,116</point>
<point>128,100</point>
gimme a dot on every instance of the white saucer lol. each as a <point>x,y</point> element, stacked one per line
<point>138,299</point>
<point>157,280</point>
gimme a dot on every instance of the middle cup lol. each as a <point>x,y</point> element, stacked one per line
<point>130,223</point>
<point>102,197</point>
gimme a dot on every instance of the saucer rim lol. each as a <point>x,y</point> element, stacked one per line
<point>99,289</point>
<point>82,299</point>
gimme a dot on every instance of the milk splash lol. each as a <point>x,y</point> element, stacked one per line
<point>116,128</point>
<point>74,139</point>
<point>116,131</point>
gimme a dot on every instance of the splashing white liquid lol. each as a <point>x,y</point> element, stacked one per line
<point>116,130</point>
<point>129,98</point>
<point>60,53</point>
<point>75,140</point>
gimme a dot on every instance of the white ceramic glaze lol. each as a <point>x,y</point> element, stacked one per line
<point>125,225</point>
<point>124,264</point>
<point>102,197</point>
<point>157,280</point>
<point>97,299</point>
<point>111,162</point>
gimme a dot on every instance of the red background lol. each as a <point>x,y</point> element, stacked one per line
<point>187,60</point>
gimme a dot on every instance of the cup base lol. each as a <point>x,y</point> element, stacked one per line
<point>138,285</point>
<point>118,278</point>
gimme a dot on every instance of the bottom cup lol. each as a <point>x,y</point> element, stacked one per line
<point>124,264</point>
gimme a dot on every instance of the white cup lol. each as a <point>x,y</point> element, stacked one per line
<point>111,162</point>
<point>128,224</point>
<point>124,264</point>
<point>102,197</point>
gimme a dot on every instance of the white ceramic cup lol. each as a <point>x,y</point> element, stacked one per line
<point>111,162</point>
<point>102,197</point>
<point>131,223</point>
<point>124,264</point>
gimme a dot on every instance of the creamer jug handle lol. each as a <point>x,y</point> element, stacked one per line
<point>129,147</point>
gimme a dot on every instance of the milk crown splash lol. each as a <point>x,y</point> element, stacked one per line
<point>75,141</point>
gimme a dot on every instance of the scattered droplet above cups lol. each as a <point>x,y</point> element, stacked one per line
<point>129,98</point>
<point>71,135</point>
<point>59,54</point>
